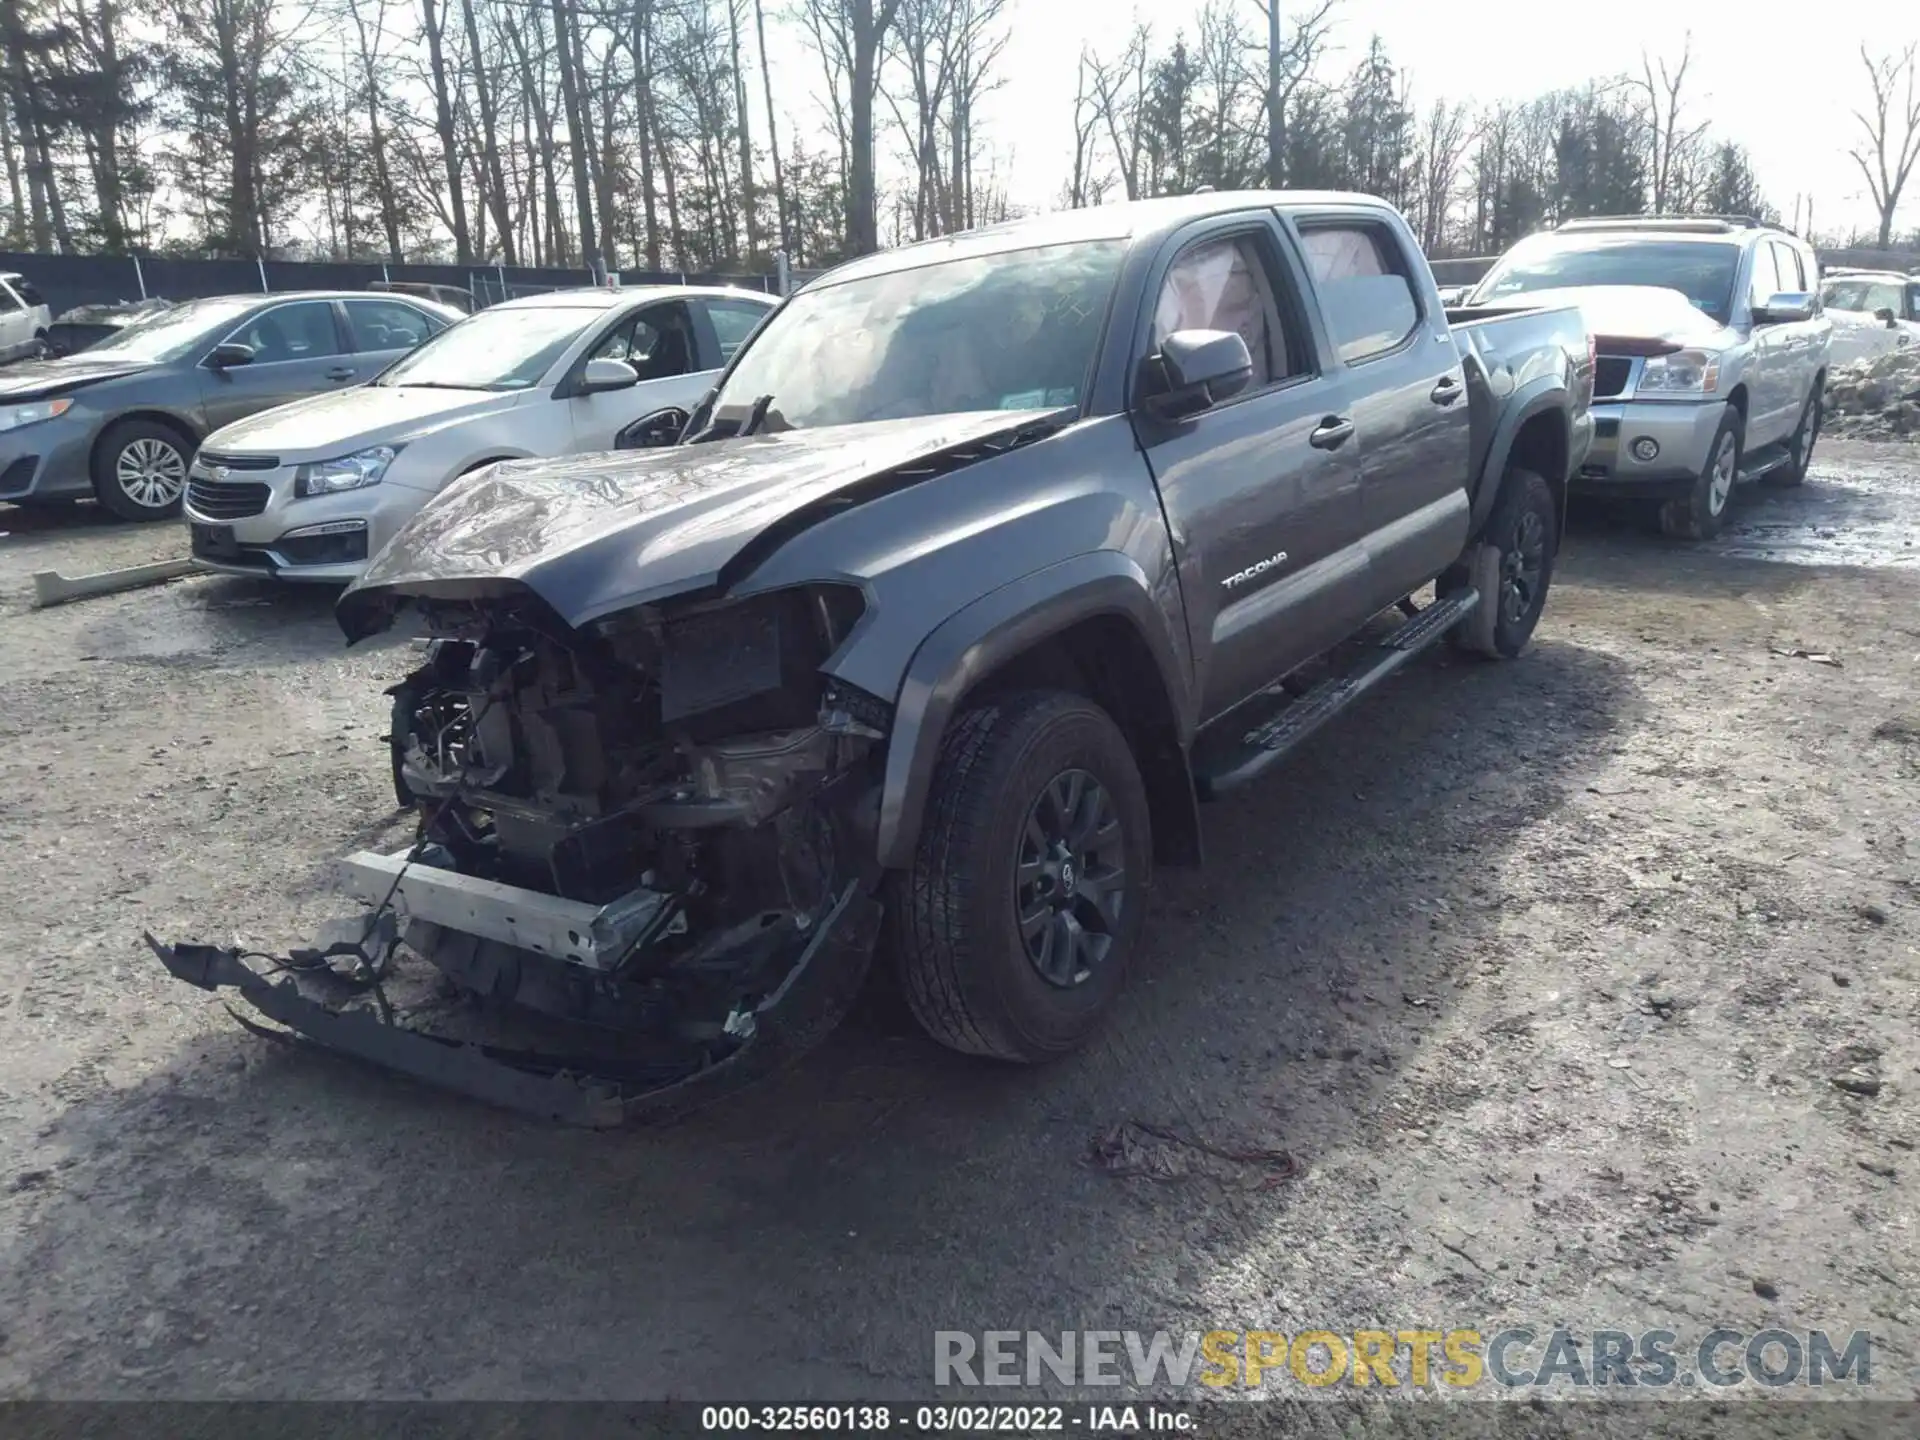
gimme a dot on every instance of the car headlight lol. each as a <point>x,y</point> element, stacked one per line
<point>1685,372</point>
<point>349,472</point>
<point>12,417</point>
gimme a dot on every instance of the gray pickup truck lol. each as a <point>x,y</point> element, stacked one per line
<point>922,636</point>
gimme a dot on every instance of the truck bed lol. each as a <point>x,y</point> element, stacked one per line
<point>1503,348</point>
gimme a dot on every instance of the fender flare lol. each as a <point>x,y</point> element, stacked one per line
<point>1544,395</point>
<point>977,639</point>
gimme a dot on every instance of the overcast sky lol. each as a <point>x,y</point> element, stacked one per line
<point>1780,79</point>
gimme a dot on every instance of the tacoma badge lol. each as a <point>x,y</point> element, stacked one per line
<point>1252,570</point>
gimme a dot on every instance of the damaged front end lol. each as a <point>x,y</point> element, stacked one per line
<point>646,843</point>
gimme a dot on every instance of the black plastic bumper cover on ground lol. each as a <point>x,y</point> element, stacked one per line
<point>814,998</point>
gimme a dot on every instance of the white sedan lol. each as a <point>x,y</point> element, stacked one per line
<point>312,490</point>
<point>1874,312</point>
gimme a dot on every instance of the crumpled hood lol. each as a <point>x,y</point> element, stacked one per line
<point>323,426</point>
<point>31,378</point>
<point>598,533</point>
<point>1634,312</point>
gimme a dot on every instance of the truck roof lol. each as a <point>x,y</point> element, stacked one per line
<point>1129,220</point>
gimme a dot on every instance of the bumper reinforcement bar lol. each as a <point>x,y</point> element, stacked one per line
<point>812,1000</point>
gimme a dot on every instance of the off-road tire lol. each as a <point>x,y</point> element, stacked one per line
<point>1513,562</point>
<point>1692,516</point>
<point>1800,447</point>
<point>963,965</point>
<point>160,440</point>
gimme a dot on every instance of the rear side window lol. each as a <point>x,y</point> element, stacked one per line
<point>1364,288</point>
<point>733,322</point>
<point>1226,284</point>
<point>387,325</point>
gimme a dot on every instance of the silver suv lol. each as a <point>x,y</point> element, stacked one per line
<point>1712,352</point>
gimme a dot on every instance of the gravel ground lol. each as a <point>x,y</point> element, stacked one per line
<point>1545,972</point>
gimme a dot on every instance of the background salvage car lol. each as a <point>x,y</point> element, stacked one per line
<point>985,559</point>
<point>308,491</point>
<point>24,318</point>
<point>1713,353</point>
<point>122,419</point>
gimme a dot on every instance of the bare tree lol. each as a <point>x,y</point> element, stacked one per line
<point>1671,145</point>
<point>773,130</point>
<point>1083,186</point>
<point>1120,89</point>
<point>855,31</point>
<point>1445,136</point>
<point>1289,62</point>
<point>1892,125</point>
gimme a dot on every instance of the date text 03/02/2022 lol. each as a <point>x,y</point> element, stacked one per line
<point>949,1419</point>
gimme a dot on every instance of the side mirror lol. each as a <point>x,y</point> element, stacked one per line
<point>1784,309</point>
<point>1885,316</point>
<point>654,432</point>
<point>603,375</point>
<point>228,353</point>
<point>1200,368</point>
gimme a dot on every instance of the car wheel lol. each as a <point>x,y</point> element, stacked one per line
<point>1013,928</point>
<point>1513,569</point>
<point>1800,445</point>
<point>140,469</point>
<point>1702,511</point>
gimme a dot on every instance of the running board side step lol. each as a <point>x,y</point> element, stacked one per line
<point>1227,767</point>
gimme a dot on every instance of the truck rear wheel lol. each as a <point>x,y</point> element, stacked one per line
<point>1512,568</point>
<point>1013,928</point>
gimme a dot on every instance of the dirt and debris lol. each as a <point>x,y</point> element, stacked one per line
<point>1157,1152</point>
<point>1877,399</point>
<point>189,1212</point>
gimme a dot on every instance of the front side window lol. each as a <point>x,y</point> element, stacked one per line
<point>1766,281</point>
<point>289,332</point>
<point>1704,271</point>
<point>1786,261</point>
<point>500,349</point>
<point>1364,290</point>
<point>1225,285</point>
<point>657,342</point>
<point>1010,331</point>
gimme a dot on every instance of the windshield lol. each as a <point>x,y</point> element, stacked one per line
<point>1704,273</point>
<point>1013,331</point>
<point>175,333</point>
<point>1868,295</point>
<point>494,350</point>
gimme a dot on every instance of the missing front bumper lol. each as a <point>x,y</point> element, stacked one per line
<point>812,1000</point>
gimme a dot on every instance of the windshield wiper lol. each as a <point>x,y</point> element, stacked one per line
<point>755,416</point>
<point>431,385</point>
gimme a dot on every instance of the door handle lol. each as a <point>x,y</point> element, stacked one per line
<point>1331,433</point>
<point>340,372</point>
<point>1445,391</point>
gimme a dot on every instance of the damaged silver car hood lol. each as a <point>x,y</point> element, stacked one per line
<point>594,534</point>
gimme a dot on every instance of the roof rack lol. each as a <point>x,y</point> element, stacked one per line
<point>1697,224</point>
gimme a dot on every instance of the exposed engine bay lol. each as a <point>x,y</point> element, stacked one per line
<point>654,831</point>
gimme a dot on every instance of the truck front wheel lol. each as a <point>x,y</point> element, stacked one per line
<point>1013,928</point>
